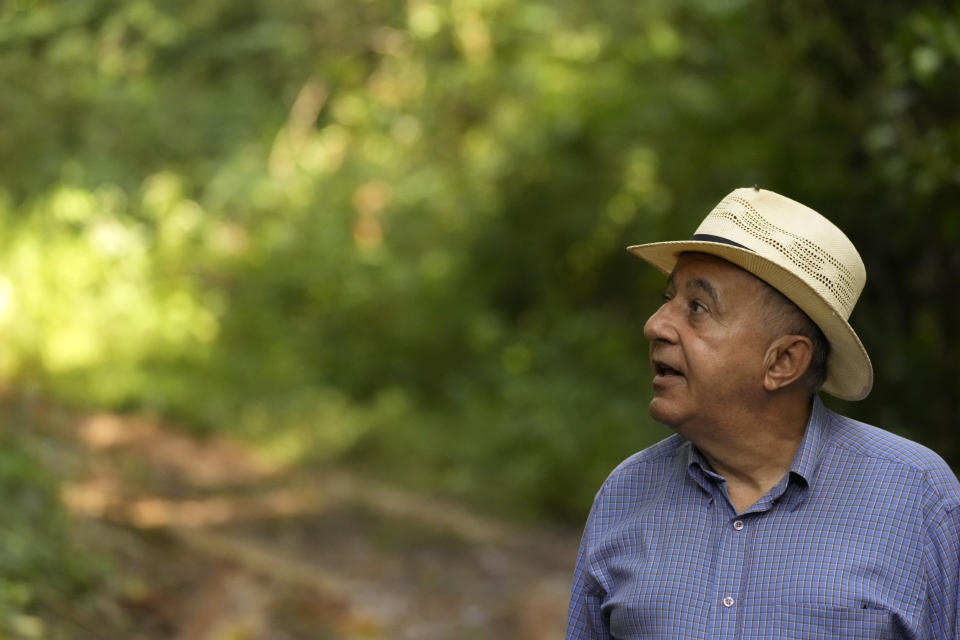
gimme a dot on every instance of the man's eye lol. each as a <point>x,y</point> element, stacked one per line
<point>697,307</point>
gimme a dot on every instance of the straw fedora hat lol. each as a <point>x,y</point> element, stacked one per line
<point>798,252</point>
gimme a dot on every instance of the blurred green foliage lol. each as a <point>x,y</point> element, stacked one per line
<point>392,233</point>
<point>40,562</point>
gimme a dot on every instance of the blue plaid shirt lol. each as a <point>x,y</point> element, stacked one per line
<point>860,539</point>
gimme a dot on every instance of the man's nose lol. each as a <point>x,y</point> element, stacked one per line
<point>661,325</point>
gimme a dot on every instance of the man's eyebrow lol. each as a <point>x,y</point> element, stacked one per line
<point>700,283</point>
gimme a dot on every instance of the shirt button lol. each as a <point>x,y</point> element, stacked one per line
<point>728,602</point>
<point>738,525</point>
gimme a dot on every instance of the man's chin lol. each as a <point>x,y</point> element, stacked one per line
<point>663,411</point>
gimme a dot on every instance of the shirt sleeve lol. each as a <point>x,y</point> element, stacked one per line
<point>585,620</point>
<point>942,568</point>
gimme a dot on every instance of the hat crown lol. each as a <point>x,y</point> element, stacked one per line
<point>795,237</point>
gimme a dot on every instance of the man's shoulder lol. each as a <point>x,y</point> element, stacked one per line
<point>643,475</point>
<point>878,447</point>
<point>648,461</point>
<point>868,441</point>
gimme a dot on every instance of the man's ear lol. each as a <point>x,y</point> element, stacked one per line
<point>787,359</point>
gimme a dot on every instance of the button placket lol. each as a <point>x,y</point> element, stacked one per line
<point>734,547</point>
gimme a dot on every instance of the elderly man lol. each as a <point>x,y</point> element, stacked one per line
<point>766,515</point>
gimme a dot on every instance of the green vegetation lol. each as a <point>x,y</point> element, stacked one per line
<point>391,234</point>
<point>41,563</point>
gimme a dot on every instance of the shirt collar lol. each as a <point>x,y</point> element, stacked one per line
<point>699,469</point>
<point>807,459</point>
<point>803,468</point>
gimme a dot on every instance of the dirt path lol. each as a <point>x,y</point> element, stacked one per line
<point>216,545</point>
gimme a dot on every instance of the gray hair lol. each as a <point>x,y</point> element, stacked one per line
<point>787,318</point>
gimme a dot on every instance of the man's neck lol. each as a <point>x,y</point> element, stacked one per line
<point>755,450</point>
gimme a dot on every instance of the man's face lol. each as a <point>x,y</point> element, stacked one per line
<point>707,344</point>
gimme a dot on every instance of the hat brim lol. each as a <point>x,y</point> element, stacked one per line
<point>849,372</point>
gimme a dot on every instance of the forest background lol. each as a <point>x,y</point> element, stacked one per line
<point>390,235</point>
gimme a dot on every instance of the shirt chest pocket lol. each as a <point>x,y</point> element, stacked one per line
<point>810,623</point>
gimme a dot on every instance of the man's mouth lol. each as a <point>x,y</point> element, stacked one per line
<point>661,369</point>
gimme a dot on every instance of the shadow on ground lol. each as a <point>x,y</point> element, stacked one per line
<point>210,543</point>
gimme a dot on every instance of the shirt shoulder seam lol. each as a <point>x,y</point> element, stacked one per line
<point>874,456</point>
<point>646,457</point>
<point>924,472</point>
